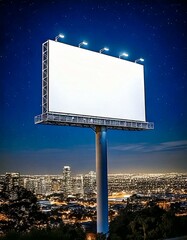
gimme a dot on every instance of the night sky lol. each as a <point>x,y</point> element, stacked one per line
<point>154,30</point>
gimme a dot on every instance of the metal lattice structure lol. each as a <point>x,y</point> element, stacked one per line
<point>85,121</point>
<point>45,76</point>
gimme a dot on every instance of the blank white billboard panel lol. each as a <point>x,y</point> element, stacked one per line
<point>84,82</point>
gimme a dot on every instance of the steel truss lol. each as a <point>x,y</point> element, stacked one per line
<point>88,121</point>
<point>45,76</point>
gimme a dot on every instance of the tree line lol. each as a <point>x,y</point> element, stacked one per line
<point>24,217</point>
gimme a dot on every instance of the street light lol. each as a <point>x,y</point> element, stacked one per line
<point>124,54</point>
<point>59,36</point>
<point>139,60</point>
<point>83,43</point>
<point>103,49</point>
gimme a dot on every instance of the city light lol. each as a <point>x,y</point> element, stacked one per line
<point>83,43</point>
<point>123,55</point>
<point>70,194</point>
<point>139,60</point>
<point>59,36</point>
<point>103,49</point>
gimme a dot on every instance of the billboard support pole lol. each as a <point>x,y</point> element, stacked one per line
<point>101,179</point>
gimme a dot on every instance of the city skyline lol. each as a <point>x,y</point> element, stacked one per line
<point>85,184</point>
<point>74,173</point>
<point>154,31</point>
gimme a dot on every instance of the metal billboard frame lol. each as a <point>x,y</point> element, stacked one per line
<point>99,125</point>
<point>90,122</point>
<point>66,119</point>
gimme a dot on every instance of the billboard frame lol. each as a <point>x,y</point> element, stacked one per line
<point>85,121</point>
<point>65,119</point>
<point>100,126</point>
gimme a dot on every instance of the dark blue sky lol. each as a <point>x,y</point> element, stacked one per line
<point>155,30</point>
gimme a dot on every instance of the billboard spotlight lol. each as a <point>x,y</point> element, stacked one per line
<point>139,60</point>
<point>124,54</point>
<point>59,36</point>
<point>103,49</point>
<point>83,43</point>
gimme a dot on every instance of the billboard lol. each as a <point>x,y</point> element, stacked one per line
<point>87,83</point>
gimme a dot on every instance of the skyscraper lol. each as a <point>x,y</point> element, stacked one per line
<point>78,186</point>
<point>12,180</point>
<point>67,183</point>
<point>90,183</point>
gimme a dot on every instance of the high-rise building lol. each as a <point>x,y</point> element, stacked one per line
<point>30,184</point>
<point>78,186</point>
<point>90,183</point>
<point>67,183</point>
<point>55,184</point>
<point>2,181</point>
<point>12,180</point>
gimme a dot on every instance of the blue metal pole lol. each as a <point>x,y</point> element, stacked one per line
<point>102,180</point>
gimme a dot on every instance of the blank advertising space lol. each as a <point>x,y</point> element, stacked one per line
<point>84,82</point>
